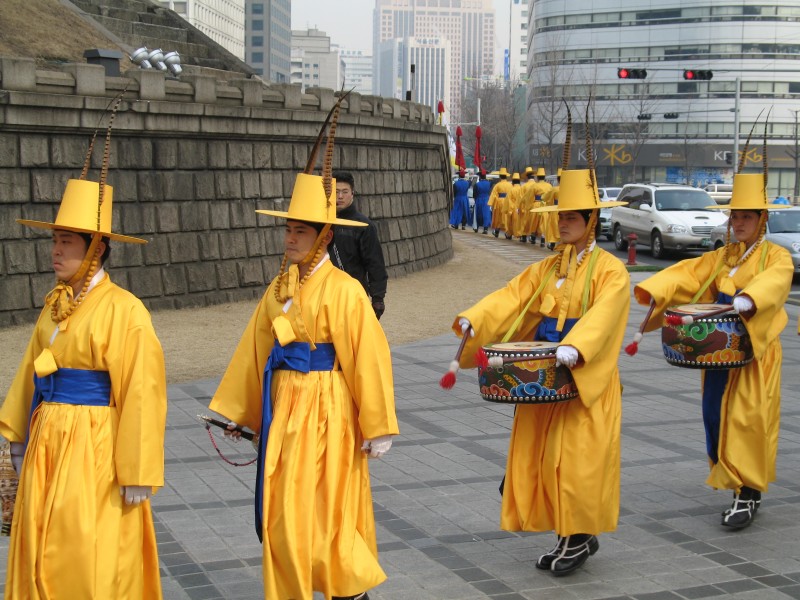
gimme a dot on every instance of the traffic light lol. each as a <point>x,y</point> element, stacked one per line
<point>644,117</point>
<point>697,75</point>
<point>670,115</point>
<point>625,73</point>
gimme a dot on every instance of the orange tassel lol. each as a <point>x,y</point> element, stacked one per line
<point>481,359</point>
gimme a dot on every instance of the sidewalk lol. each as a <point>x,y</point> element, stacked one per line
<point>437,503</point>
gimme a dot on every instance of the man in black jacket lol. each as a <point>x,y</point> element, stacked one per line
<point>357,250</point>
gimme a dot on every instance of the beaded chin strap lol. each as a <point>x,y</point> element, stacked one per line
<point>61,298</point>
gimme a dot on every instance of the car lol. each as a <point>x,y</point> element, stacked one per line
<point>607,194</point>
<point>783,228</point>
<point>720,192</point>
<point>665,217</point>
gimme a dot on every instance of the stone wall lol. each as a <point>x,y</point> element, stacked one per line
<point>191,160</point>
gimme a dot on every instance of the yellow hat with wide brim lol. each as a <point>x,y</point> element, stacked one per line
<point>577,191</point>
<point>502,172</point>
<point>78,212</point>
<point>528,171</point>
<point>541,172</point>
<point>309,203</point>
<point>515,176</point>
<point>749,193</point>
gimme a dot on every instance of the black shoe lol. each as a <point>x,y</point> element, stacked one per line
<point>575,550</point>
<point>454,226</point>
<point>523,239</point>
<point>551,246</point>
<point>361,596</point>
<point>496,232</point>
<point>546,560</point>
<point>463,228</point>
<point>743,510</point>
<point>485,230</point>
<point>508,237</point>
<point>475,229</point>
<point>542,243</point>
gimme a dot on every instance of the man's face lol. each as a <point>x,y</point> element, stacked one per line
<point>298,240</point>
<point>571,226</point>
<point>344,195</point>
<point>67,253</point>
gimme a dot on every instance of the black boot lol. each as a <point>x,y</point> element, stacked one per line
<point>523,238</point>
<point>743,510</point>
<point>496,232</point>
<point>361,596</point>
<point>542,243</point>
<point>575,550</point>
<point>463,227</point>
<point>546,560</point>
<point>485,230</point>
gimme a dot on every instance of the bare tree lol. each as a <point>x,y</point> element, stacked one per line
<point>499,122</point>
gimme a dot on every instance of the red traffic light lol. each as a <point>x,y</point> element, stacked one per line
<point>625,73</point>
<point>697,75</point>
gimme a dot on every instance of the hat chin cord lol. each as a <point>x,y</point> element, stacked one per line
<point>311,259</point>
<point>64,292</point>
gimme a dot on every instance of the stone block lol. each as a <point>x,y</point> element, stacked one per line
<point>125,186</point>
<point>353,103</point>
<point>227,185</point>
<point>47,186</point>
<point>251,272</point>
<point>204,185</point>
<point>134,153</point>
<point>46,117</point>
<point>15,186</point>
<point>90,80</point>
<point>273,241</point>
<point>175,282</point>
<point>165,154</point>
<point>227,275</point>
<point>250,185</point>
<point>292,94</point>
<point>205,87</point>
<point>157,251</point>
<point>209,246</point>
<point>145,282</point>
<point>183,248</point>
<point>282,156</point>
<point>243,214</point>
<point>126,255</point>
<point>151,83</point>
<point>201,277</point>
<point>19,258</point>
<point>173,123</point>
<point>324,96</point>
<point>218,155</point>
<point>255,243</point>
<point>15,292</point>
<point>9,150</point>
<point>194,216</point>
<point>394,230</point>
<point>271,184</point>
<point>34,151</point>
<point>41,284</point>
<point>168,216</point>
<point>192,154</point>
<point>300,154</point>
<point>262,155</point>
<point>177,185</point>
<point>149,184</point>
<point>223,125</point>
<point>252,91</point>
<point>18,73</point>
<point>232,244</point>
<point>220,216</point>
<point>68,152</point>
<point>240,155</point>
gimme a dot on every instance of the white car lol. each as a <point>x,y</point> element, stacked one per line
<point>783,228</point>
<point>607,194</point>
<point>665,217</point>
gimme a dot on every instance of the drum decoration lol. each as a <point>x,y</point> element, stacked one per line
<point>718,341</point>
<point>525,373</point>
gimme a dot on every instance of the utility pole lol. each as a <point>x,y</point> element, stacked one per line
<point>796,160</point>
<point>736,124</point>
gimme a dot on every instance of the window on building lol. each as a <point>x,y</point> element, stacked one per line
<point>257,41</point>
<point>257,25</point>
<point>257,57</point>
<point>257,8</point>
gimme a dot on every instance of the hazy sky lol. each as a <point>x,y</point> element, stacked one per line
<point>349,22</point>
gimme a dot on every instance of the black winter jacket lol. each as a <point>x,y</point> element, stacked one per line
<point>357,250</point>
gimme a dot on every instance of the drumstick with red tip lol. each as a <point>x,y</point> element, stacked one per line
<point>448,380</point>
<point>632,348</point>
<point>676,320</point>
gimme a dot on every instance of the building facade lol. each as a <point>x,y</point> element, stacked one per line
<point>357,70</point>
<point>221,20</point>
<point>517,59</point>
<point>468,25</point>
<point>663,126</point>
<point>315,63</point>
<point>416,69</point>
<point>268,38</point>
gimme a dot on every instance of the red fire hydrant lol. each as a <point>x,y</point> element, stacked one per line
<point>632,237</point>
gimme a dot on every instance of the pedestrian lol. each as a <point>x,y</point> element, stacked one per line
<point>550,198</point>
<point>525,204</point>
<point>85,416</point>
<point>312,374</point>
<point>483,212</point>
<point>357,250</point>
<point>511,223</point>
<point>498,200</point>
<point>563,467</point>
<point>740,406</point>
<point>540,220</point>
<point>460,211</point>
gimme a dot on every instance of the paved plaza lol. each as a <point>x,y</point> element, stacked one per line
<point>437,503</point>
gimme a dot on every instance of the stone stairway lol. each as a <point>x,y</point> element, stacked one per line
<point>140,23</point>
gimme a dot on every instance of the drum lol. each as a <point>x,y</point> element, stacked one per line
<point>716,342</point>
<point>528,374</point>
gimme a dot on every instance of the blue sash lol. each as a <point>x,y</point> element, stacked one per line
<point>714,383</point>
<point>546,332</point>
<point>71,386</point>
<point>296,356</point>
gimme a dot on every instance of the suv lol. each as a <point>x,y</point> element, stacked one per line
<point>607,194</point>
<point>720,192</point>
<point>665,217</point>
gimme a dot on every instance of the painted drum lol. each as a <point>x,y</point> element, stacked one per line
<point>525,373</point>
<point>715,342</point>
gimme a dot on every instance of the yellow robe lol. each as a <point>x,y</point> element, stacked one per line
<point>499,204</point>
<point>72,534</point>
<point>750,411</point>
<point>550,219</point>
<point>318,524</point>
<point>563,470</point>
<point>512,210</point>
<point>540,220</point>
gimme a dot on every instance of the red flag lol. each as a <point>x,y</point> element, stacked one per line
<point>477,158</point>
<point>459,151</point>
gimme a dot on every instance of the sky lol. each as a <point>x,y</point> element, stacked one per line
<point>349,22</point>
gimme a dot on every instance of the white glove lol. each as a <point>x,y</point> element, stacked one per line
<point>465,324</point>
<point>377,447</point>
<point>17,456</point>
<point>135,494</point>
<point>232,434</point>
<point>567,356</point>
<point>743,304</point>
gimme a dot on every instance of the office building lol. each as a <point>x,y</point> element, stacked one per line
<point>268,38</point>
<point>221,20</point>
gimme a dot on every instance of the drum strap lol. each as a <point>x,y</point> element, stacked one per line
<point>587,285</point>
<point>762,265</point>
<point>536,294</point>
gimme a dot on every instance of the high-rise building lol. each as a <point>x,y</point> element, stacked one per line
<point>222,21</point>
<point>358,70</point>
<point>659,124</point>
<point>314,62</point>
<point>268,38</point>
<point>468,25</point>
<point>518,40</point>
<point>417,69</point>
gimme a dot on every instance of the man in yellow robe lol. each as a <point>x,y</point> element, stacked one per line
<point>498,200</point>
<point>87,411</point>
<point>540,221</point>
<point>312,373</point>
<point>741,407</point>
<point>550,198</point>
<point>563,470</point>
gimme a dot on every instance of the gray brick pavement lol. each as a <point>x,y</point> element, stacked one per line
<point>437,504</point>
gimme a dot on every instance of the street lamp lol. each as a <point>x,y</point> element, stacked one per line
<point>796,159</point>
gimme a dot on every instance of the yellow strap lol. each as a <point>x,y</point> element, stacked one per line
<point>702,290</point>
<point>536,294</point>
<point>763,255</point>
<point>588,281</point>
